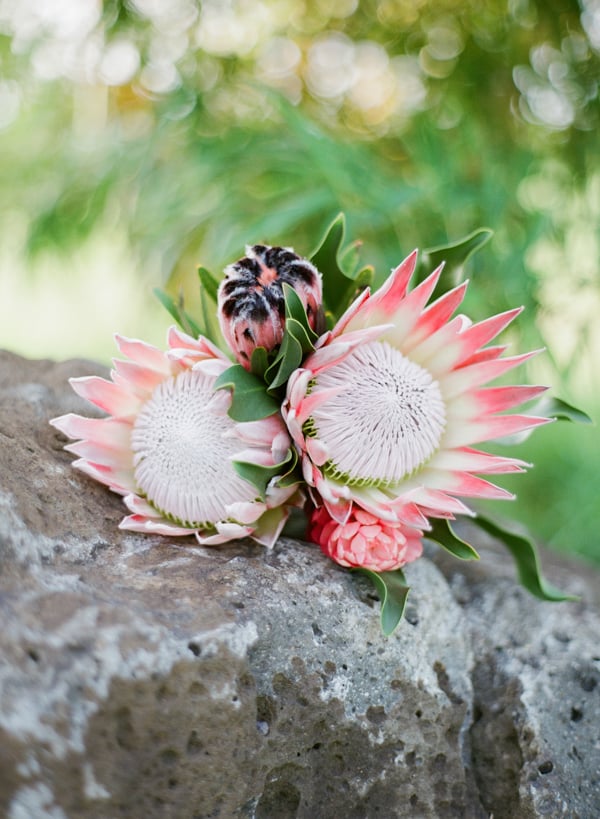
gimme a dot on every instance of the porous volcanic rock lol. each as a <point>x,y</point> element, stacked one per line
<point>147,677</point>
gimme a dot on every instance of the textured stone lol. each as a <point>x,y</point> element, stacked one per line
<point>147,677</point>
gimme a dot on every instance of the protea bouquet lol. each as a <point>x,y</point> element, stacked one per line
<point>361,408</point>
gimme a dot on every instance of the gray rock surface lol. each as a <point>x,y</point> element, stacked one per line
<point>147,677</point>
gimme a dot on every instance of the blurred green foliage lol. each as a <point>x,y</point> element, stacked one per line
<point>195,128</point>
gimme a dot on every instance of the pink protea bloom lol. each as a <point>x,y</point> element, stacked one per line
<point>387,409</point>
<point>168,445</point>
<point>251,306</point>
<point>364,541</point>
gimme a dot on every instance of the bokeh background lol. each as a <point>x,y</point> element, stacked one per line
<point>139,139</point>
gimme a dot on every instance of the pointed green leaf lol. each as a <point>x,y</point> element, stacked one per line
<point>526,557</point>
<point>259,362</point>
<point>210,322</point>
<point>185,321</point>
<point>325,258</point>
<point>455,256</point>
<point>208,283</point>
<point>260,476</point>
<point>392,591</point>
<point>364,278</point>
<point>294,310</point>
<point>250,400</point>
<point>297,341</point>
<point>168,303</point>
<point>551,407</point>
<point>349,258</point>
<point>444,535</point>
<point>288,359</point>
<point>300,333</point>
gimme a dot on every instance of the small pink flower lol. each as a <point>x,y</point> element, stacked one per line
<point>364,541</point>
<point>168,445</point>
<point>251,303</point>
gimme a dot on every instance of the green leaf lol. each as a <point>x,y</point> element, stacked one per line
<point>210,322</point>
<point>455,256</point>
<point>250,401</point>
<point>364,278</point>
<point>297,341</point>
<point>294,311</point>
<point>526,557</point>
<point>393,591</point>
<point>443,534</point>
<point>259,362</point>
<point>185,321</point>
<point>168,303</point>
<point>208,283</point>
<point>288,359</point>
<point>349,259</point>
<point>258,476</point>
<point>551,407</point>
<point>326,260</point>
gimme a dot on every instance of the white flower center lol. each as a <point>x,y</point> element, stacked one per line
<point>181,454</point>
<point>386,422</point>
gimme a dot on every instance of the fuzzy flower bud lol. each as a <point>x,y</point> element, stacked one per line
<point>251,303</point>
<point>364,541</point>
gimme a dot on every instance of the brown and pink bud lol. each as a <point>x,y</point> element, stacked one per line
<point>251,304</point>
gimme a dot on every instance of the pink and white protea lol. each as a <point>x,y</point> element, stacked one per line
<point>168,445</point>
<point>387,409</point>
<point>364,541</point>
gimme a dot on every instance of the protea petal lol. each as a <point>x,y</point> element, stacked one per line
<point>484,331</point>
<point>384,303</point>
<point>142,353</point>
<point>474,375</point>
<point>111,432</point>
<point>492,427</point>
<point>487,354</point>
<point>111,398</point>
<point>268,528</point>
<point>407,314</point>
<point>128,374</point>
<point>153,526</point>
<point>119,480</point>
<point>338,350</point>
<point>466,459</point>
<point>436,315</point>
<point>496,399</point>
<point>116,458</point>
<point>225,532</point>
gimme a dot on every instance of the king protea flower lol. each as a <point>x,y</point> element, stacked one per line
<point>251,300</point>
<point>168,445</point>
<point>387,409</point>
<point>364,541</point>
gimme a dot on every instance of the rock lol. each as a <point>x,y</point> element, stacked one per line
<point>147,677</point>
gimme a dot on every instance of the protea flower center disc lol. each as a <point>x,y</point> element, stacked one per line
<point>385,423</point>
<point>182,454</point>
